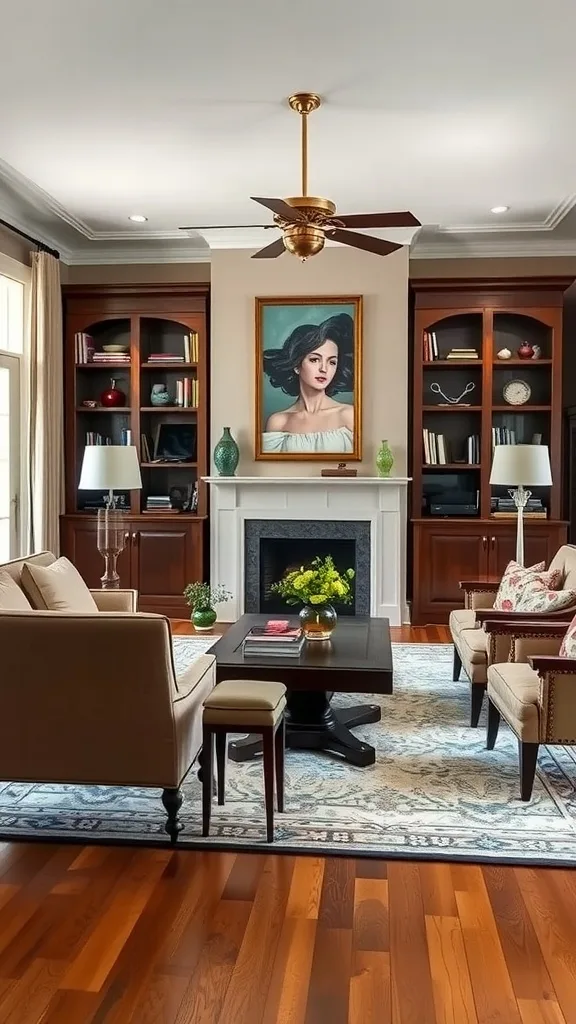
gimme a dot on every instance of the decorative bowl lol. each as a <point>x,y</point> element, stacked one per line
<point>115,349</point>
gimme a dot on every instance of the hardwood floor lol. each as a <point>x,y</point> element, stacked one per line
<point>95,935</point>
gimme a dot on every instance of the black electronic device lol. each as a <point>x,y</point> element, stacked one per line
<point>447,509</point>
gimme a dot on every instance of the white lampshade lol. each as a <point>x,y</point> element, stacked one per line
<point>110,467</point>
<point>521,465</point>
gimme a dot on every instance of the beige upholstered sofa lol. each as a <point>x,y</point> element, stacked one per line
<point>93,698</point>
<point>474,648</point>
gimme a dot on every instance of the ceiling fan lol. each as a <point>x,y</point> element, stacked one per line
<point>307,221</point>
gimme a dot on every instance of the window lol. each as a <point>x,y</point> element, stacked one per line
<point>11,315</point>
<point>14,282</point>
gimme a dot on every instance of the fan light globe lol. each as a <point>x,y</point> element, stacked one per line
<point>304,240</point>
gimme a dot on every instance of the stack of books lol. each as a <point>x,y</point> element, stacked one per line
<point>111,358</point>
<point>159,503</point>
<point>504,508</point>
<point>277,638</point>
<point>165,357</point>
<point>462,353</point>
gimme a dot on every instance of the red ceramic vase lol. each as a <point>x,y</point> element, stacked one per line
<point>113,397</point>
<point>525,351</point>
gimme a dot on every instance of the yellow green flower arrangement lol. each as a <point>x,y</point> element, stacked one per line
<point>317,584</point>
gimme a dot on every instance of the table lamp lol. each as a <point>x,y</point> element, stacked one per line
<point>519,466</point>
<point>110,467</point>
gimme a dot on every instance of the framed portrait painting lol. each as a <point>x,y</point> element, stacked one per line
<point>309,378</point>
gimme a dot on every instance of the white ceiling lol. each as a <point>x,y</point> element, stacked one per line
<point>177,110</point>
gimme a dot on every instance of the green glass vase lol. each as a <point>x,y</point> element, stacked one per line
<point>384,459</point>
<point>203,619</point>
<point>226,454</point>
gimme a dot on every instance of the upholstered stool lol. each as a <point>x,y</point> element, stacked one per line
<point>244,705</point>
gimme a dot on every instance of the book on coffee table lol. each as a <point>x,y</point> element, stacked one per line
<point>277,638</point>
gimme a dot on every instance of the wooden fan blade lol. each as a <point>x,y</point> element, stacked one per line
<point>270,252</point>
<point>376,245</point>
<point>223,227</point>
<point>379,220</point>
<point>281,208</point>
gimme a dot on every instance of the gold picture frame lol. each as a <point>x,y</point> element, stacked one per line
<point>321,335</point>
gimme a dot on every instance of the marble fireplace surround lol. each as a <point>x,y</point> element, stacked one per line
<point>377,501</point>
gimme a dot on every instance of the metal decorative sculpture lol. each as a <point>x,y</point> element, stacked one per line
<point>435,387</point>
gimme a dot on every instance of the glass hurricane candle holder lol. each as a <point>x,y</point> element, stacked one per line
<point>111,540</point>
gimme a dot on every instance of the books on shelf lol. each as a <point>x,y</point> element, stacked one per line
<point>503,435</point>
<point>83,348</point>
<point>437,450</point>
<point>277,638</point>
<point>504,508</point>
<point>430,351</point>
<point>104,358</point>
<point>191,347</point>
<point>189,352</point>
<point>93,437</point>
<point>145,453</point>
<point>187,393</point>
<point>463,353</point>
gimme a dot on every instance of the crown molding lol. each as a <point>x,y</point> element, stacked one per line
<point>499,227</point>
<point>504,248</point>
<point>7,213</point>
<point>448,243</point>
<point>117,255</point>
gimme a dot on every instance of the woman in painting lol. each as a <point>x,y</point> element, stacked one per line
<point>314,363</point>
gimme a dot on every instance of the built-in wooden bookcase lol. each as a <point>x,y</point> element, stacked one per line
<point>457,399</point>
<point>165,548</point>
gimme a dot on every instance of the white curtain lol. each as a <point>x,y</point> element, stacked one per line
<point>46,405</point>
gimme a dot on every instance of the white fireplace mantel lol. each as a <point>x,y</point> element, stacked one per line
<point>381,501</point>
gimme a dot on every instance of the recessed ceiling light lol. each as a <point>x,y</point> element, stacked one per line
<point>499,209</point>
<point>138,218</point>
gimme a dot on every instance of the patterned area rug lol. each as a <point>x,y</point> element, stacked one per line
<point>435,791</point>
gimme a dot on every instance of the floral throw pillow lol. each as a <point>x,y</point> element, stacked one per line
<point>535,597</point>
<point>520,585</point>
<point>568,645</point>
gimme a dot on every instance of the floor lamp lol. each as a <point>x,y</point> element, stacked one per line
<point>110,467</point>
<point>518,466</point>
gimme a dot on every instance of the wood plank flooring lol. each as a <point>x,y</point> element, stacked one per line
<point>95,935</point>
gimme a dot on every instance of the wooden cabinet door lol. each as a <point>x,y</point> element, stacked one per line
<point>445,554</point>
<point>540,544</point>
<point>165,557</point>
<point>78,543</point>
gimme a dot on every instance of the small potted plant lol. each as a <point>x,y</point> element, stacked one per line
<point>315,587</point>
<point>202,598</point>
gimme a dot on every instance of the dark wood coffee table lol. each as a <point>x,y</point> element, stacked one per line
<point>358,659</point>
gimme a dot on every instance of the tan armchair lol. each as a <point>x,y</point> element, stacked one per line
<point>471,642</point>
<point>93,698</point>
<point>535,694</point>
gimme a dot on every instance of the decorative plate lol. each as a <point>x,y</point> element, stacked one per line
<point>516,392</point>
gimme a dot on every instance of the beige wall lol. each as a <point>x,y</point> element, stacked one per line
<point>236,280</point>
<point>137,273</point>
<point>15,247</point>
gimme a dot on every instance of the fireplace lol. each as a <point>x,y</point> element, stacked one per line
<point>272,547</point>
<point>371,511</point>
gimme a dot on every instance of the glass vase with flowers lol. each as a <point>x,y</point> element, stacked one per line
<point>317,587</point>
